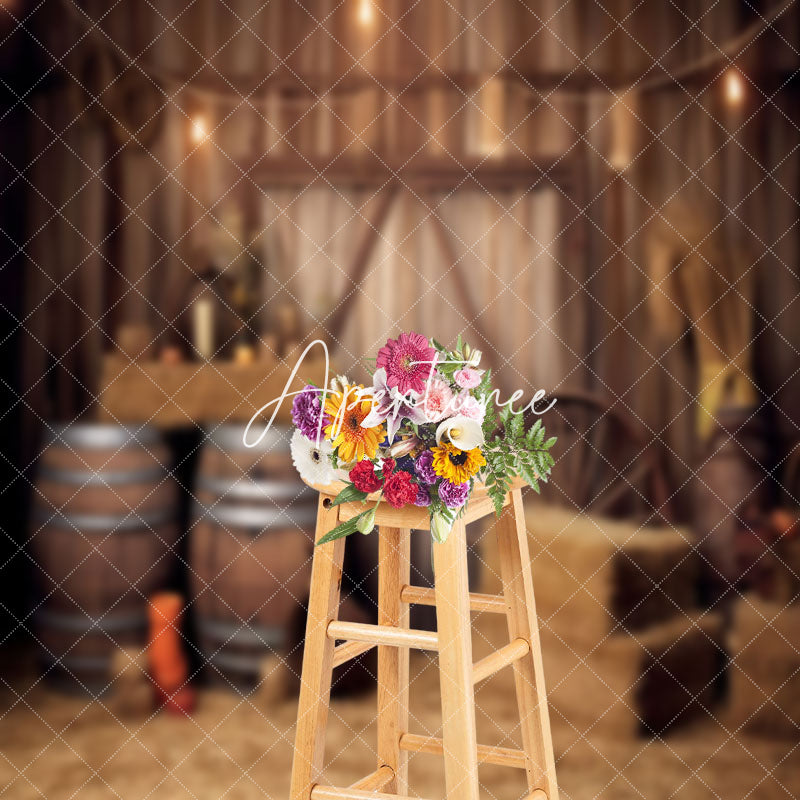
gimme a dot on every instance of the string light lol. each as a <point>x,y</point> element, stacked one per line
<point>734,87</point>
<point>366,13</point>
<point>199,131</point>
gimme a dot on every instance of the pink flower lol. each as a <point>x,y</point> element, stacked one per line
<point>468,378</point>
<point>468,406</point>
<point>405,360</point>
<point>437,401</point>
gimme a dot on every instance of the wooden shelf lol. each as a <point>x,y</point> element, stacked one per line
<point>193,393</point>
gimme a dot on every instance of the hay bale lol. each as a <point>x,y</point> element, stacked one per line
<point>765,671</point>
<point>642,684</point>
<point>594,576</point>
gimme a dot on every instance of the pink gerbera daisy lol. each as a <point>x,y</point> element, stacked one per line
<point>408,361</point>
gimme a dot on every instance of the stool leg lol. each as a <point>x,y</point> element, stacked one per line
<point>515,569</point>
<point>455,666</point>
<point>315,682</point>
<point>394,572</point>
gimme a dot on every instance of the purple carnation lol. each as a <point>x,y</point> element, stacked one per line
<point>454,495</point>
<point>306,411</point>
<point>423,498</point>
<point>423,466</point>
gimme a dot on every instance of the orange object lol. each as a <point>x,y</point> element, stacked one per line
<point>167,661</point>
<point>171,354</point>
<point>784,522</point>
<point>181,702</point>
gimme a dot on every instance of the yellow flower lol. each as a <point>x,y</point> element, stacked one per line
<point>457,466</point>
<point>346,411</point>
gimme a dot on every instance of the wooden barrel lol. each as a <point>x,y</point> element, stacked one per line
<point>250,553</point>
<point>103,540</point>
<point>251,567</point>
<point>226,456</point>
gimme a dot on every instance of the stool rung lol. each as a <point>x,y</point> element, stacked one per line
<point>375,781</point>
<point>332,793</point>
<point>487,754</point>
<point>423,596</point>
<point>349,650</point>
<point>382,634</point>
<point>506,655</point>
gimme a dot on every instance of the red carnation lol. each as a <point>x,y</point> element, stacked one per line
<point>388,466</point>
<point>399,490</point>
<point>364,478</point>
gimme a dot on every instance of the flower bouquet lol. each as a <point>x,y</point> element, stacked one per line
<point>423,434</point>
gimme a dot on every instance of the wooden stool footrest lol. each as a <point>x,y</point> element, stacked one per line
<point>422,596</point>
<point>487,754</point>
<point>383,635</point>
<point>506,655</point>
<point>375,781</point>
<point>349,650</point>
<point>332,793</point>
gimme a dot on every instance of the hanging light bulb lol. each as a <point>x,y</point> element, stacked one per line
<point>734,87</point>
<point>199,129</point>
<point>366,12</point>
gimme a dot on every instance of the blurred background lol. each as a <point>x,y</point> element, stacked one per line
<point>602,197</point>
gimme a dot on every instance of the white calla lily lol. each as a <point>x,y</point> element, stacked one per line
<point>462,432</point>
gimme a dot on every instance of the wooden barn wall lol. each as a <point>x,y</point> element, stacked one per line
<point>504,244</point>
<point>124,205</point>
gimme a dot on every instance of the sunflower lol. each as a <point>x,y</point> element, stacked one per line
<point>456,466</point>
<point>347,411</point>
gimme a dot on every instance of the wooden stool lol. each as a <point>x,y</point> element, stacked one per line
<point>453,641</point>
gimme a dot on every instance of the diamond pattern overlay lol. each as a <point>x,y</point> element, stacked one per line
<point>536,154</point>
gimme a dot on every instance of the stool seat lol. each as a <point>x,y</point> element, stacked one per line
<point>479,505</point>
<point>452,641</point>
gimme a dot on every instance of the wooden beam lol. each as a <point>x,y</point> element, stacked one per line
<point>394,571</point>
<point>315,684</point>
<point>369,239</point>
<point>348,651</point>
<point>494,662</point>
<point>383,634</point>
<point>333,793</point>
<point>375,781</point>
<point>464,299</point>
<point>422,173</point>
<point>487,754</point>
<point>423,596</point>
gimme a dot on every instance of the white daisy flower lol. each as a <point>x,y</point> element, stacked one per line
<point>312,462</point>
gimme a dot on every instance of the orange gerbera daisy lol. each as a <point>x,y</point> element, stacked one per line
<point>347,410</point>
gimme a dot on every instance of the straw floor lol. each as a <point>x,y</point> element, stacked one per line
<point>58,747</point>
<point>240,748</point>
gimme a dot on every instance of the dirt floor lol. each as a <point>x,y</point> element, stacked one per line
<point>241,747</point>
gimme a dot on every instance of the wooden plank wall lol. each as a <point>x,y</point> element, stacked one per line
<point>140,222</point>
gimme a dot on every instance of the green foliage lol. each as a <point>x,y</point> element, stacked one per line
<point>348,495</point>
<point>457,356</point>
<point>513,451</point>
<point>344,528</point>
<point>438,507</point>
